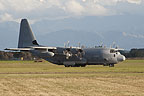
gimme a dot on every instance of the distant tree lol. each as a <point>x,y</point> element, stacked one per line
<point>13,55</point>
<point>16,54</point>
<point>137,53</point>
<point>1,55</point>
<point>26,55</point>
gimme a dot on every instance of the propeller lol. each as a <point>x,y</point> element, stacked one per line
<point>113,45</point>
<point>64,45</point>
<point>68,53</point>
<point>73,51</point>
<point>68,43</point>
<point>79,45</point>
<point>80,53</point>
<point>101,44</point>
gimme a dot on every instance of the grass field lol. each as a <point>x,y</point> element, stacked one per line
<point>27,78</point>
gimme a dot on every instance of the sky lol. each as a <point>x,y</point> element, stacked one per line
<point>37,10</point>
<point>66,13</point>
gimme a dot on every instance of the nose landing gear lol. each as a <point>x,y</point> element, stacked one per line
<point>111,65</point>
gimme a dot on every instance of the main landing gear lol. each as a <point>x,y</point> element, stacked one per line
<point>75,65</point>
<point>110,65</point>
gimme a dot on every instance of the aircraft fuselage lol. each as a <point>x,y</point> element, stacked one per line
<point>82,57</point>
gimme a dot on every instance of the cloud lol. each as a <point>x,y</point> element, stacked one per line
<point>18,5</point>
<point>1,6</point>
<point>106,2</point>
<point>6,17</point>
<point>133,35</point>
<point>113,2</point>
<point>94,9</point>
<point>85,9</point>
<point>135,1</point>
<point>74,7</point>
<point>38,9</point>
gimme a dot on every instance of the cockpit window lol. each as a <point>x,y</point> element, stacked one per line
<point>113,51</point>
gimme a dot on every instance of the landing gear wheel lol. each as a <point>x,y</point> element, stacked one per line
<point>111,65</point>
<point>105,64</point>
<point>83,65</point>
<point>75,65</point>
<point>66,65</point>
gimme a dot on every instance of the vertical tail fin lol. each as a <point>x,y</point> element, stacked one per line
<point>26,37</point>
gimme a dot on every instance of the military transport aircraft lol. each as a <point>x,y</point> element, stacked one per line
<point>67,56</point>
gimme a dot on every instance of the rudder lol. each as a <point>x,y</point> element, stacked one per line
<point>26,37</point>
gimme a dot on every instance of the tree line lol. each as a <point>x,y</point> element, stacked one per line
<point>16,55</point>
<point>133,53</point>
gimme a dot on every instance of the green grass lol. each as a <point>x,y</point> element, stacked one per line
<point>128,66</point>
<point>28,78</point>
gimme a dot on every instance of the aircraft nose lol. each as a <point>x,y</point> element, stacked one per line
<point>124,58</point>
<point>121,58</point>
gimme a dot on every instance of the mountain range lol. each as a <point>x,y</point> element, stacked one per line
<point>127,31</point>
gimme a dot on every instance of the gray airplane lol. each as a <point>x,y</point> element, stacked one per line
<point>67,56</point>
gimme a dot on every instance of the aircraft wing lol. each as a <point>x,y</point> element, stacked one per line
<point>28,49</point>
<point>18,49</point>
<point>44,47</point>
